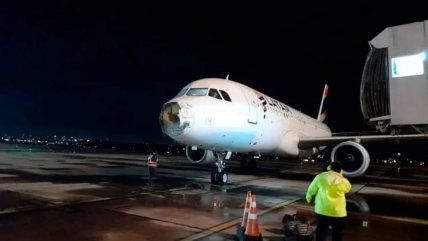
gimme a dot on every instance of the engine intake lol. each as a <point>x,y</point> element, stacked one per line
<point>353,156</point>
<point>200,156</point>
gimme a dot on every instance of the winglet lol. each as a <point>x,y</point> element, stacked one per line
<point>323,114</point>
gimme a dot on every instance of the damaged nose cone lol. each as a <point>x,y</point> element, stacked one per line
<point>170,119</point>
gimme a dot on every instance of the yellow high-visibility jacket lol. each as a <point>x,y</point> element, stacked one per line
<point>329,189</point>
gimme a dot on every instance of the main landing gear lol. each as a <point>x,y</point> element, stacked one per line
<point>219,175</point>
<point>248,166</point>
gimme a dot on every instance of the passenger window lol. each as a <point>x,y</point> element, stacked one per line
<point>225,95</point>
<point>214,93</point>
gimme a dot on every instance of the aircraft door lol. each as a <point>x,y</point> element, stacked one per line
<point>252,105</point>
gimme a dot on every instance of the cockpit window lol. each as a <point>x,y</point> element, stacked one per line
<point>214,93</point>
<point>182,92</point>
<point>225,95</point>
<point>197,92</point>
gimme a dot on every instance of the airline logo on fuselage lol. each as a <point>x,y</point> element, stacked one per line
<point>265,100</point>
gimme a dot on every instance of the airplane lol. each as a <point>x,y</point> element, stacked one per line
<point>215,117</point>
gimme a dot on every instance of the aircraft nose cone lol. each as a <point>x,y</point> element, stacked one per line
<point>170,119</point>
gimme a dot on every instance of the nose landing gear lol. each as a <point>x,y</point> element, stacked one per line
<point>219,175</point>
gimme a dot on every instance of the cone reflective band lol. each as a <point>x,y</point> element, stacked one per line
<point>252,216</point>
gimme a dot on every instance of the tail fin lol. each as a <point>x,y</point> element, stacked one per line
<point>322,114</point>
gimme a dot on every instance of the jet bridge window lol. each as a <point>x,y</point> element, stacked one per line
<point>214,93</point>
<point>225,95</point>
<point>197,92</point>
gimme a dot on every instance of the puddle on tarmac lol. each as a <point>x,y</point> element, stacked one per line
<point>389,205</point>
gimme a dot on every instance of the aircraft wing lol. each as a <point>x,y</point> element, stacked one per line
<point>308,142</point>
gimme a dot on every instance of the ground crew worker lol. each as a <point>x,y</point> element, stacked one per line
<point>152,162</point>
<point>329,188</point>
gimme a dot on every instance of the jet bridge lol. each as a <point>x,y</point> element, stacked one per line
<point>394,85</point>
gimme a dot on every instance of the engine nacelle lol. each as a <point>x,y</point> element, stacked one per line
<point>353,156</point>
<point>200,156</point>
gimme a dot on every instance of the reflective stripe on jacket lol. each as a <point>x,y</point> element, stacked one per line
<point>152,161</point>
<point>329,189</point>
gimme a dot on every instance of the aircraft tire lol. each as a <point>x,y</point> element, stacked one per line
<point>223,177</point>
<point>252,166</point>
<point>214,177</point>
<point>243,165</point>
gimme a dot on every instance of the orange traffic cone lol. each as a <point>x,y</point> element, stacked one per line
<point>252,231</point>
<point>241,228</point>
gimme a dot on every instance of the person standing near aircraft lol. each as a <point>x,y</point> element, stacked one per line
<point>152,162</point>
<point>329,189</point>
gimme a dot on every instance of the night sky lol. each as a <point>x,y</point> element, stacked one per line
<point>103,69</point>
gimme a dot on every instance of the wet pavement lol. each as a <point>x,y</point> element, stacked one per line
<point>87,196</point>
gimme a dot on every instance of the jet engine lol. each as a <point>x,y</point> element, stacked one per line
<point>353,156</point>
<point>200,156</point>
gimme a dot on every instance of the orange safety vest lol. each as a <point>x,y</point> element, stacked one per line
<point>153,161</point>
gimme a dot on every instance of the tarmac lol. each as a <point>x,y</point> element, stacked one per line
<point>68,195</point>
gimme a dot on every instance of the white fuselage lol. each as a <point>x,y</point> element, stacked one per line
<point>250,122</point>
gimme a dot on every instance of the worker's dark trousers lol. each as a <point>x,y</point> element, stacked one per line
<point>152,171</point>
<point>323,222</point>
